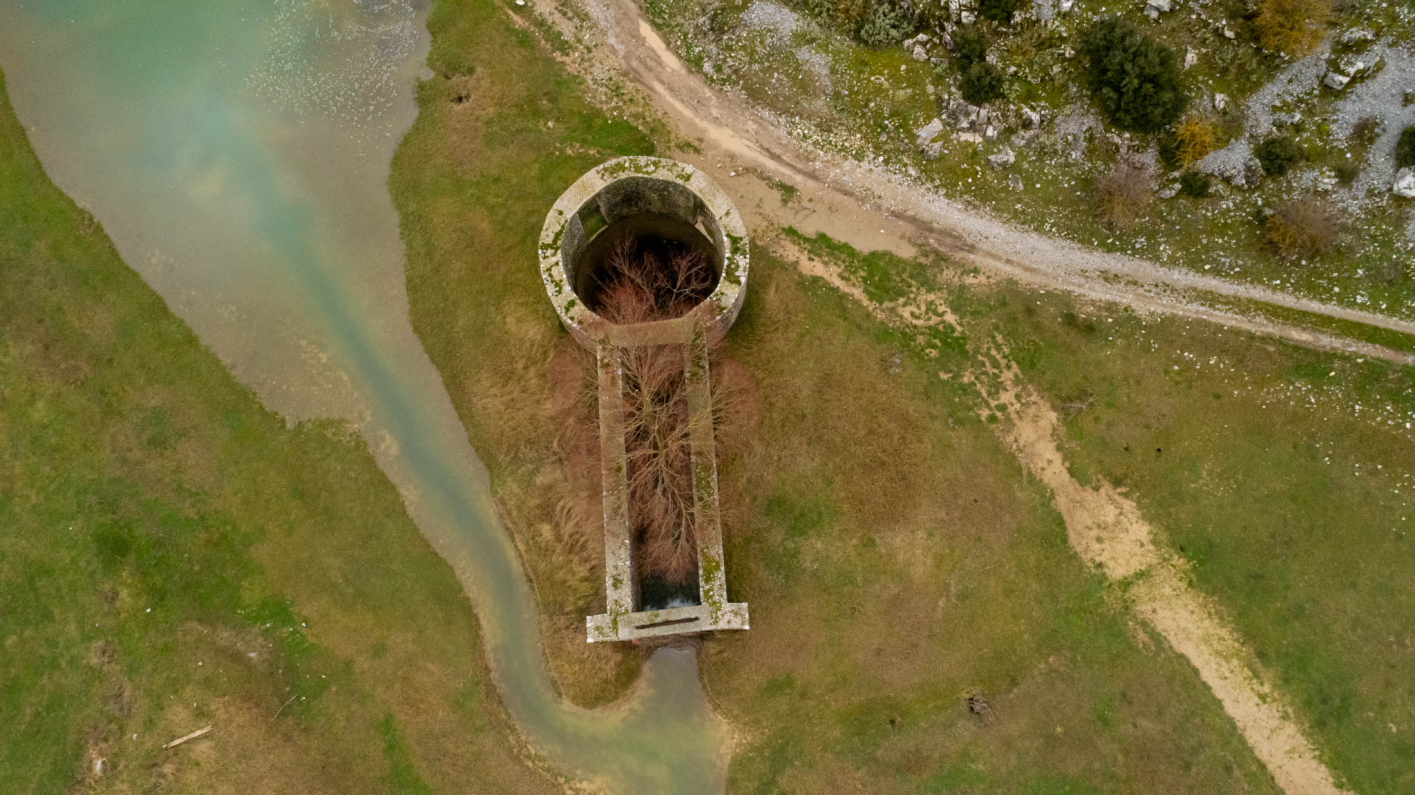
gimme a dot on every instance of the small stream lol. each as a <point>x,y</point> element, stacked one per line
<point>237,153</point>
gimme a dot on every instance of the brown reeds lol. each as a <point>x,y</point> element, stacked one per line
<point>1303,228</point>
<point>638,287</point>
<point>1124,195</point>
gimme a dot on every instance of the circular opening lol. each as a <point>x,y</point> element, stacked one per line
<point>646,267</point>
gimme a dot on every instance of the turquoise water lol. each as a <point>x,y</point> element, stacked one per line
<point>237,153</point>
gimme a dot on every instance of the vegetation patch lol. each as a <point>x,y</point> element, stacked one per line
<point>1302,227</point>
<point>982,83</point>
<point>1278,154</point>
<point>1292,27</point>
<point>1125,193</point>
<point>1133,77</point>
<point>1405,148</point>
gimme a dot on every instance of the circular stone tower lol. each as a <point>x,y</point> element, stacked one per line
<point>641,197</point>
<point>669,207</point>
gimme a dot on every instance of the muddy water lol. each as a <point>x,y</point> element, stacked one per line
<point>237,153</point>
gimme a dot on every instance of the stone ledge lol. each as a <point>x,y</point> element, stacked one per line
<point>671,621</point>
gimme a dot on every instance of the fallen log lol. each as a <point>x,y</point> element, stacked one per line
<point>192,736</point>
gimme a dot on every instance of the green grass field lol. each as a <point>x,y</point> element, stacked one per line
<point>1281,474</point>
<point>1284,475</point>
<point>173,556</point>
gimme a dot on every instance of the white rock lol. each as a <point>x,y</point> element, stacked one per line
<point>933,150</point>
<point>1065,5</point>
<point>1336,80</point>
<point>1190,57</point>
<point>1168,191</point>
<point>1220,102</point>
<point>1153,8</point>
<point>967,17</point>
<point>1358,67</point>
<point>1404,183</point>
<point>1358,36</point>
<point>1030,118</point>
<point>919,53</point>
<point>990,133</point>
<point>961,115</point>
<point>1015,182</point>
<point>1228,33</point>
<point>970,137</point>
<point>1246,173</point>
<point>928,132</point>
<point>1002,159</point>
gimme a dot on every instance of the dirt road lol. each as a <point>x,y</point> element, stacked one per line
<point>871,208</point>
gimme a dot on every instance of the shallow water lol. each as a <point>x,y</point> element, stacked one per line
<point>237,154</point>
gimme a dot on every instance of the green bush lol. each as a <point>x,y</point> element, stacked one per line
<point>1195,183</point>
<point>1135,79</point>
<point>1405,148</point>
<point>1347,172</point>
<point>982,83</point>
<point>1278,154</point>
<point>998,10</point>
<point>1169,150</point>
<point>886,23</point>
<point>970,46</point>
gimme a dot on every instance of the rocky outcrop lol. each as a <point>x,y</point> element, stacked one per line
<point>1002,159</point>
<point>1404,183</point>
<point>1153,8</point>
<point>1242,171</point>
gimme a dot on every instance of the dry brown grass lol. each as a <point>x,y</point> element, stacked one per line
<point>1303,228</point>
<point>1197,137</point>
<point>1124,195</point>
<point>658,442</point>
<point>1292,27</point>
<point>641,286</point>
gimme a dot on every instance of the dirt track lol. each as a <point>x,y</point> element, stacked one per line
<point>872,209</point>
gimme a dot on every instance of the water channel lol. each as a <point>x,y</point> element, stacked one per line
<point>237,153</point>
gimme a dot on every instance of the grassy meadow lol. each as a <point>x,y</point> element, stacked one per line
<point>173,556</point>
<point>1283,475</point>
